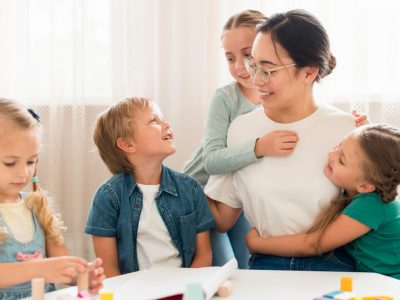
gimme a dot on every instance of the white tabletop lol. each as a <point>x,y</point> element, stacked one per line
<point>282,285</point>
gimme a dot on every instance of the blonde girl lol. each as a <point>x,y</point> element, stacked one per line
<point>31,243</point>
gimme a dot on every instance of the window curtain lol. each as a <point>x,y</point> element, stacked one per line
<point>69,59</point>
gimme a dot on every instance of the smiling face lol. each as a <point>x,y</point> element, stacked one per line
<point>237,43</point>
<point>284,85</point>
<point>152,135</point>
<point>344,166</point>
<point>19,150</point>
<point>287,96</point>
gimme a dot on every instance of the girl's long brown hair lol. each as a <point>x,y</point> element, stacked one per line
<point>380,167</point>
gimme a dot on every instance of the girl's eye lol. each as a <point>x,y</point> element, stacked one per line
<point>229,60</point>
<point>31,162</point>
<point>247,55</point>
<point>9,164</point>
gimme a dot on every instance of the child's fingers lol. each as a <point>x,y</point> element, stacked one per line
<point>79,263</point>
<point>97,284</point>
<point>97,262</point>
<point>362,118</point>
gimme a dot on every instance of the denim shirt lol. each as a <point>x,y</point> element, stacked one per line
<point>117,205</point>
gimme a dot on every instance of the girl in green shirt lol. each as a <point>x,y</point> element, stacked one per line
<point>366,218</point>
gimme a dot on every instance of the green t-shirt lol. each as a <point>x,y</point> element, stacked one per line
<point>378,250</point>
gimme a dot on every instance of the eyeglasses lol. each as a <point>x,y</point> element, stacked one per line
<point>265,73</point>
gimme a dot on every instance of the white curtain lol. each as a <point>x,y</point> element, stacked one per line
<point>70,58</point>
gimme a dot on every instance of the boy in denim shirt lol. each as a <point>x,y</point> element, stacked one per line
<point>146,214</point>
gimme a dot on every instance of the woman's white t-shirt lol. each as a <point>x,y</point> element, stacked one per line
<point>283,195</point>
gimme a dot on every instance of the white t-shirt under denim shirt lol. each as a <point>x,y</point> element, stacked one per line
<point>154,244</point>
<point>283,195</point>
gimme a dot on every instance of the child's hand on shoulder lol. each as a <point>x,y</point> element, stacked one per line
<point>361,118</point>
<point>60,269</point>
<point>276,143</point>
<point>96,276</point>
<point>251,239</point>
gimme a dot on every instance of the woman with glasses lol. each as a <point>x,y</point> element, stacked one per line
<point>213,156</point>
<point>282,195</point>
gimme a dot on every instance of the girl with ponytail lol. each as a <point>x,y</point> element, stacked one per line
<point>31,242</point>
<point>366,217</point>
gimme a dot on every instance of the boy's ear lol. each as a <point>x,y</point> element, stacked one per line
<point>365,187</point>
<point>126,145</point>
<point>311,73</point>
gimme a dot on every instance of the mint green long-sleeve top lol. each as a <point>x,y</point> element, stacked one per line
<point>213,156</point>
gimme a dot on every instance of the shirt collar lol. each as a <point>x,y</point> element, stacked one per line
<point>167,184</point>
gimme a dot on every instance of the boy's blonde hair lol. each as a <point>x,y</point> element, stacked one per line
<point>114,123</point>
<point>36,200</point>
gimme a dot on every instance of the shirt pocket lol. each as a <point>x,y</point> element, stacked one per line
<point>187,224</point>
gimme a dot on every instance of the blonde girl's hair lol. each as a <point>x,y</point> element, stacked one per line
<point>246,18</point>
<point>114,123</point>
<point>37,200</point>
<point>380,167</point>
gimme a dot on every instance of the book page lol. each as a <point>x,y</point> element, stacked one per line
<point>163,282</point>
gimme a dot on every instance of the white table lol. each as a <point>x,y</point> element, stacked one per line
<point>281,285</point>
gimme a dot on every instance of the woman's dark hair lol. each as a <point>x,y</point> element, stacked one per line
<point>303,38</point>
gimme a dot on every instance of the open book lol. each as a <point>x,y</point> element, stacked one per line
<point>159,283</point>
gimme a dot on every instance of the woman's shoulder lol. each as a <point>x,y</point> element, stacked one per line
<point>328,110</point>
<point>335,119</point>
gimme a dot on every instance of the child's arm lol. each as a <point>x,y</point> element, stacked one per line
<point>217,158</point>
<point>106,249</point>
<point>220,159</point>
<point>54,270</point>
<point>53,250</point>
<point>203,255</point>
<point>96,275</point>
<point>340,232</point>
<point>224,215</point>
